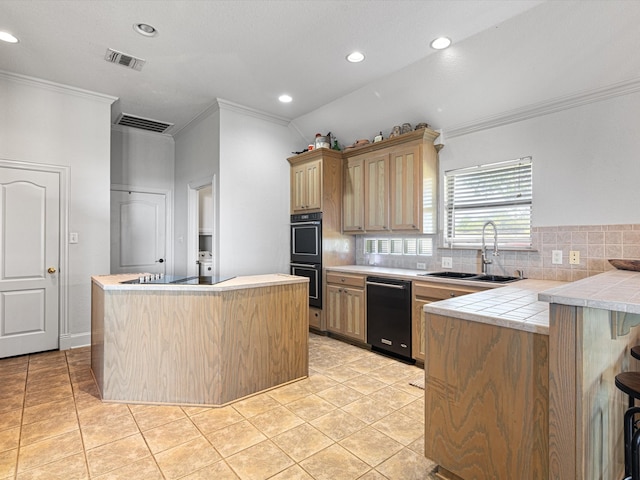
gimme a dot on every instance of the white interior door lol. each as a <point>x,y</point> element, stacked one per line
<point>138,232</point>
<point>29,260</point>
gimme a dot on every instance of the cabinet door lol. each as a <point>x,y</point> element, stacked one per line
<point>354,321</point>
<point>376,192</point>
<point>298,189</point>
<point>405,189</point>
<point>306,186</point>
<point>334,310</point>
<point>418,340</point>
<point>353,196</point>
<point>313,185</point>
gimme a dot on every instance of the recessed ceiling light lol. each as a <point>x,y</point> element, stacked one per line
<point>441,43</point>
<point>145,29</point>
<point>285,98</point>
<point>355,57</point>
<point>7,37</point>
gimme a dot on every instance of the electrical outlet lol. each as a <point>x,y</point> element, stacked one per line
<point>556,257</point>
<point>574,257</point>
<point>421,266</point>
<point>447,262</point>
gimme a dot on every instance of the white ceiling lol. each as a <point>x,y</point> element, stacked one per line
<point>249,51</point>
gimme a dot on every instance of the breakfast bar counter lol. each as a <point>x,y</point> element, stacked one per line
<point>204,345</point>
<point>486,383</point>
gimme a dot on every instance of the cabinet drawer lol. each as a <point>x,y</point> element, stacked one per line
<point>442,291</point>
<point>345,279</point>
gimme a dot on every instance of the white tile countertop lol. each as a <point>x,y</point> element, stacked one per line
<point>514,306</point>
<point>615,290</point>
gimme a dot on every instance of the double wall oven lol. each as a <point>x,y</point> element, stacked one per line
<point>306,252</point>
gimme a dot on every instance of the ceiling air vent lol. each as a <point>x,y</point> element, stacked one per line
<point>143,123</point>
<point>119,58</point>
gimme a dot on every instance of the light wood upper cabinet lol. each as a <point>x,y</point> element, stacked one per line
<point>306,186</point>
<point>376,193</point>
<point>405,189</point>
<point>353,196</point>
<point>400,177</point>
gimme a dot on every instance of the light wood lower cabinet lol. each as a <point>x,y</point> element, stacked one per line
<point>427,292</point>
<point>487,402</point>
<point>345,307</point>
<point>315,318</point>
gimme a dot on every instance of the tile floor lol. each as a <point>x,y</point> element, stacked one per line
<point>355,417</point>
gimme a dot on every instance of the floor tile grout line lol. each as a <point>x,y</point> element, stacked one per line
<point>144,439</point>
<point>75,408</point>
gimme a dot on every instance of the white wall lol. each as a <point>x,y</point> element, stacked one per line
<point>142,159</point>
<point>247,152</point>
<point>196,157</point>
<point>585,161</point>
<point>51,124</point>
<point>253,194</point>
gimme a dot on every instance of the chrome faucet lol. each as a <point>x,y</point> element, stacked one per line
<point>486,261</point>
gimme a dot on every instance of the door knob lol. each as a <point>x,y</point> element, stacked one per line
<point>161,260</point>
<point>51,270</point>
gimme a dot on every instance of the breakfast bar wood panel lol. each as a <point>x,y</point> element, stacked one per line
<point>562,393</point>
<point>198,345</point>
<point>486,399</point>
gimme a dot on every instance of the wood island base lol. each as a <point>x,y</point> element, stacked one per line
<point>197,345</point>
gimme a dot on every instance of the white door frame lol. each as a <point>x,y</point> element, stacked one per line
<point>192,225</point>
<point>64,336</point>
<point>168,219</point>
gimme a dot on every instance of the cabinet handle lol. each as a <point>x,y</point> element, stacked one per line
<point>452,294</point>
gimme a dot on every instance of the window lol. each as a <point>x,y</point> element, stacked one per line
<point>399,246</point>
<point>501,192</point>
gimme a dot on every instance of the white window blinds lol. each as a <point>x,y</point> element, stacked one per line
<point>501,192</point>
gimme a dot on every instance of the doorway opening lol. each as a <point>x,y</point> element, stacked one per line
<point>202,236</point>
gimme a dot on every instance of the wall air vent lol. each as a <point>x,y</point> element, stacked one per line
<point>147,124</point>
<point>119,58</point>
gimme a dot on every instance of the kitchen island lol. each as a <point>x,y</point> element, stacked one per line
<point>519,380</point>
<point>204,345</point>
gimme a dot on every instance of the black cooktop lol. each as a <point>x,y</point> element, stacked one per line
<point>177,280</point>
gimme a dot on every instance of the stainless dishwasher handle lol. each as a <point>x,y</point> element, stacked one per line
<point>387,285</point>
<point>304,265</point>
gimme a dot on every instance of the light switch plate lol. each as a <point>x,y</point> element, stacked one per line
<point>447,262</point>
<point>73,237</point>
<point>556,257</point>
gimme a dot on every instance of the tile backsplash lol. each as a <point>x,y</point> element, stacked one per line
<point>596,244</point>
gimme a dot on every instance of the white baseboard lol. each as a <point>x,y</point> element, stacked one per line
<point>74,340</point>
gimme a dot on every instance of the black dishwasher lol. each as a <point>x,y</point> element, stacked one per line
<point>389,316</point>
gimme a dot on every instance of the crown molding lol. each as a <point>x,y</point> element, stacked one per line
<point>545,108</point>
<point>234,107</point>
<point>220,104</point>
<point>56,87</point>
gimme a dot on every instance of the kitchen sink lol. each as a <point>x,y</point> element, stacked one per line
<point>495,278</point>
<point>472,276</point>
<point>449,275</point>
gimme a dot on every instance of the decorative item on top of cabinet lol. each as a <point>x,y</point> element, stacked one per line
<point>427,292</point>
<point>346,305</point>
<point>396,191</point>
<point>315,180</point>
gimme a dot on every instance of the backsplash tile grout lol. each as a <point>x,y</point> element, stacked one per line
<point>596,244</point>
